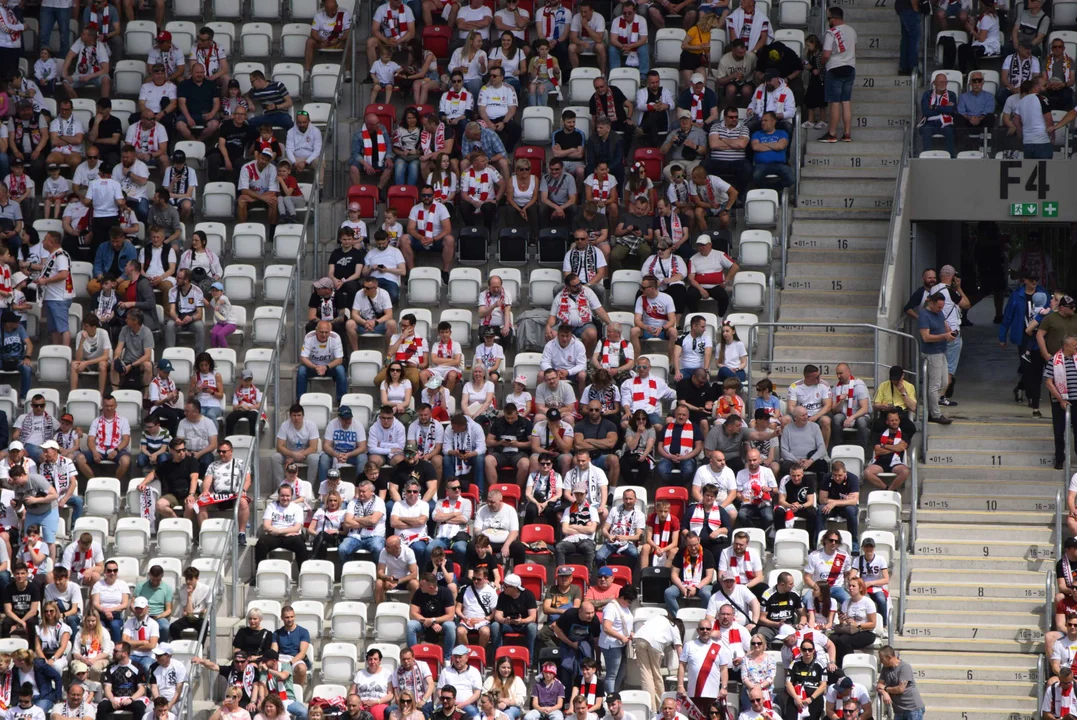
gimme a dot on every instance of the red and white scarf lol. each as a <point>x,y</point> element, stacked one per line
<point>407,349</point>
<point>687,439</point>
<point>7,20</point>
<point>1058,372</point>
<point>550,69</point>
<point>16,184</point>
<point>147,143</point>
<point>395,24</point>
<point>445,351</point>
<point>438,136</point>
<point>891,437</point>
<point>108,440</point>
<point>625,33</point>
<point>424,221</point>
<point>589,690</point>
<point>849,391</point>
<point>697,106</point>
<point>602,189</point>
<point>606,106</point>
<point>941,100</point>
<point>758,491</point>
<point>693,571</point>
<point>482,188</point>
<point>734,562</point>
<point>662,532</point>
<point>583,307</point>
<point>368,145</point>
<point>606,353</point>
<point>101,19</point>
<point>711,516</point>
<point>338,28</point>
<point>651,394</point>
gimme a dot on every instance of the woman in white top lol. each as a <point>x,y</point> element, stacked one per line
<point>509,686</point>
<point>53,639</point>
<point>231,708</point>
<point>204,265</point>
<point>93,646</point>
<point>670,269</point>
<point>615,636</point>
<point>732,356</point>
<point>406,149</point>
<point>509,58</point>
<point>470,59</point>
<point>272,709</point>
<point>445,182</point>
<point>986,37</point>
<point>489,354</point>
<point>858,619</point>
<point>522,197</point>
<point>396,390</point>
<point>207,386</point>
<point>522,399</point>
<point>224,317</point>
<point>477,396</point>
<point>814,602</point>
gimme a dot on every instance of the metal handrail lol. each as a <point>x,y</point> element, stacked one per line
<point>906,577</point>
<point>925,35</point>
<point>1067,470</point>
<point>1041,678</point>
<point>1058,522</point>
<point>913,88</point>
<point>914,472</point>
<point>772,310</point>
<point>209,629</point>
<point>924,420</point>
<point>782,230</point>
<point>895,213</point>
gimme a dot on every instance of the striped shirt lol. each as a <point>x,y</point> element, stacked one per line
<point>273,93</point>
<point>1071,372</point>
<point>728,133</point>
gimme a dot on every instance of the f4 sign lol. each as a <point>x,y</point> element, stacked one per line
<point>1031,174</point>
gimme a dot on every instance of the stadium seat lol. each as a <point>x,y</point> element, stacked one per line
<point>846,538</point>
<point>363,366</point>
<point>436,39</point>
<point>885,544</point>
<point>677,497</point>
<point>527,365</point>
<point>536,155</point>
<point>625,78</point>
<point>132,536</point>
<point>884,510</point>
<point>659,366</point>
<point>761,208</point>
<point>293,39</point>
<point>472,245</point>
<point>431,655</point>
<point>215,537</point>
<point>463,323</point>
<point>175,537</point>
<point>127,566</point>
<point>652,161</point>
<point>386,115</point>
<point>624,284</point>
<point>424,286</point>
<point>862,667</point>
<point>538,125</point>
<point>268,323</point>
<point>274,578</point>
<point>960,37</point>
<point>259,361</point>
<point>933,154</point>
<point>340,660</point>
<point>128,76</point>
<point>84,406</point>
<point>641,495</point>
<point>102,497</point>
<point>520,657</point>
<point>96,526</point>
<point>240,281</point>
<point>402,198</point>
<point>316,579</point>
<point>319,407</point>
<point>791,37</point>
<point>465,284</point>
<point>851,455</point>
<point>277,283</point>
<point>390,621</point>
<point>182,359</point>
<point>324,81</point>
<point>357,580</point>
<point>667,46</point>
<point>691,616</point>
<point>791,547</point>
<point>53,364</point>
<point>138,37</point>
<point>581,86</point>
<point>248,241</point>
<point>219,200</point>
<point>756,247</point>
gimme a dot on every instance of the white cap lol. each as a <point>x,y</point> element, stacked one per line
<point>163,648</point>
<point>50,444</point>
<point>15,445</point>
<point>513,580</point>
<point>703,240</point>
<point>698,78</point>
<point>141,602</point>
<point>785,631</point>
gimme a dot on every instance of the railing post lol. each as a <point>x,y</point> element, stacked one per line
<point>1066,470</point>
<point>915,504</point>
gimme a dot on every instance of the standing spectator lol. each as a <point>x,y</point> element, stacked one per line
<point>750,24</point>
<point>1061,376</point>
<point>1034,120</point>
<point>897,686</point>
<point>839,54</point>
<point>934,337</point>
<point>908,12</point>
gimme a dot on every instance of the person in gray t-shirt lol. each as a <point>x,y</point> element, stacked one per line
<point>558,193</point>
<point>897,686</point>
<point>554,393</point>
<point>729,437</point>
<point>132,349</point>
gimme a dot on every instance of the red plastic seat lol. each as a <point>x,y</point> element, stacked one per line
<point>536,155</point>
<point>386,115</point>
<point>436,39</point>
<point>472,494</point>
<point>402,198</point>
<point>476,658</point>
<point>367,197</point>
<point>652,162</point>
<point>520,657</point>
<point>509,493</point>
<point>621,575</point>
<point>431,655</point>
<point>533,577</point>
<point>581,577</point>
<point>677,496</point>
<point>425,110</point>
<point>534,533</point>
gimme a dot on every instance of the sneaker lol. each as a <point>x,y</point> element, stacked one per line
<point>846,138</point>
<point>243,540</point>
<point>821,125</point>
<point>947,401</point>
<point>1017,396</point>
<point>828,138</point>
<point>807,124</point>
<point>1059,464</point>
<point>941,420</point>
<point>444,277</point>
<point>1037,414</point>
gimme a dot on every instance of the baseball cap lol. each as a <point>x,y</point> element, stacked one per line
<point>513,580</point>
<point>703,240</point>
<point>729,575</point>
<point>79,667</point>
<point>846,683</point>
<point>1071,542</point>
<point>344,412</point>
<point>15,445</point>
<point>179,156</point>
<point>52,166</point>
<point>16,279</point>
<point>324,283</point>
<point>580,487</point>
<point>784,632</point>
<point>682,113</point>
<point>270,654</point>
<point>770,74</point>
<point>246,375</point>
<point>164,36</point>
<point>1066,301</point>
<point>240,655</point>
<point>67,417</point>
<point>460,650</point>
<point>867,541</point>
<point>163,649</point>
<point>141,602</point>
<point>50,445</point>
<point>333,473</point>
<point>522,379</point>
<point>488,331</point>
<point>553,414</point>
<point>217,286</point>
<point>165,364</point>
<point>267,151</point>
<point>355,206</point>
<point>605,571</point>
<point>546,667</point>
<point>411,450</point>
<point>698,78</point>
<point>564,570</point>
<point>435,382</point>
<point>612,697</point>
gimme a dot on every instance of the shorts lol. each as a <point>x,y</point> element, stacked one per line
<point>572,166</point>
<point>119,454</point>
<point>225,506</point>
<point>578,332</point>
<point>57,314</point>
<point>953,354</point>
<point>649,334</point>
<point>585,45</point>
<point>838,86</point>
<point>417,246</point>
<point>94,82</point>
<point>1065,607</point>
<point>509,459</point>
<point>172,500</point>
<point>886,462</point>
<point>67,149</point>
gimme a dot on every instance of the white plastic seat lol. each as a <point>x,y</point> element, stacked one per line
<point>528,364</point>
<point>757,540</point>
<point>691,616</point>
<point>52,400</point>
<point>761,208</point>
<point>224,359</point>
<point>955,81</point>
<point>542,285</point>
<point>270,610</point>
<point>363,366</point>
<point>390,654</point>
<point>276,284</point>
<point>933,154</point>
<point>862,667</point>
<point>175,537</point>
<point>256,41</point>
<point>138,37</point>
<point>219,200</point>
<point>581,85</point>
<point>794,13</point>
<point>319,408</point>
<point>465,284</point>
<point>81,272</point>
<point>259,361</point>
<point>239,316</point>
<point>292,75</point>
<point>357,580</point>
<point>637,703</point>
<point>851,455</point>
<point>390,621</point>
<point>669,78</point>
<point>129,405</point>
<point>128,77</point>
<point>102,497</point>
<point>318,112</point>
<point>424,286</point>
<point>960,37</point>
<point>286,241</point>
<point>84,109</point>
<point>84,406</point>
<point>265,10</point>
<point>183,34</point>
<point>791,37</point>
<point>659,366</point>
<point>316,579</point>
<point>885,544</point>
<point>798,578</point>
<point>339,662</point>
<point>756,247</point>
<point>330,690</point>
<point>710,320</point>
<point>626,78</point>
<point>302,9</point>
<point>462,321</point>
<point>274,578</point>
<point>54,363</point>
<point>884,510</point>
<point>195,150</point>
<point>424,321</point>
<point>667,46</point>
<point>347,620</point>
<point>239,282</point>
<point>133,536</point>
<point>12,645</point>
<point>970,155</point>
<point>641,494</point>
<point>293,39</point>
<point>127,567</point>
<point>791,547</point>
<point>215,537</point>
<point>362,405</point>
<point>96,526</point>
<point>309,615</point>
<point>216,234</point>
<point>749,290</point>
<point>623,288</point>
<point>538,125</point>
<point>1064,14</point>
<point>324,80</point>
<point>224,34</point>
<point>208,568</point>
<point>182,359</point>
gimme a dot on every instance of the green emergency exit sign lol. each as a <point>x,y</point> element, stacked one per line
<point>1046,209</point>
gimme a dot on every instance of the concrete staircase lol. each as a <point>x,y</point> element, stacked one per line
<point>983,546</point>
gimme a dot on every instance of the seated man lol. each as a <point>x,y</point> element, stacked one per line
<point>976,109</point>
<point>797,498</point>
<point>653,103</point>
<point>464,449</point>
<point>297,442</point>
<point>475,605</point>
<point>679,446</point>
<point>744,564</point>
<point>567,356</point>
<point>481,188</point>
<point>937,110</point>
<point>711,198</point>
<point>614,354</point>
<point>397,569</point>
<point>709,520</point>
<point>124,685</point>
<point>552,436</point>
<point>227,482</point>
<point>813,394</point>
<point>344,443</point>
<point>372,311</point>
<point>84,560</point>
<point>771,145</point>
<point>386,439</point>
<point>364,521</point>
<point>894,394</point>
<point>142,633</point>
<point>322,356</point>
<point>507,444</point>
<point>700,102</point>
<point>841,496</point>
<point>772,96</point>
<point>500,524</point>
<point>802,444</point>
<point>258,184</point>
<point>109,438</point>
<point>430,230</point>
<point>628,40</point>
<point>554,394</point>
<point>432,615</point>
<point>756,488</point>
<point>178,477</point>
<point>17,353</point>
<point>517,611</point>
<point>852,406</point>
<point>578,525</point>
<point>1060,77</point>
<point>655,317</point>
<point>587,261</point>
<point>498,105</point>
<point>692,576</point>
<point>576,307</point>
<point>891,452</point>
<point>465,683</point>
<point>736,71</point>
<point>622,532</point>
<point>646,393</point>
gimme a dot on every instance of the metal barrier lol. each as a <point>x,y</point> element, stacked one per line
<point>899,625</point>
<point>914,101</point>
<point>1041,678</point>
<point>885,289</point>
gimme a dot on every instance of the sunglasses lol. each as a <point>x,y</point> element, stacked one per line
<point>38,405</point>
<point>756,700</point>
<point>832,540</point>
<point>411,492</point>
<point>454,487</point>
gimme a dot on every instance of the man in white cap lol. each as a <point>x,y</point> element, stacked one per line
<point>955,301</point>
<point>142,633</point>
<point>790,639</point>
<point>731,593</point>
<point>258,183</point>
<point>709,271</point>
<point>63,475</point>
<point>686,145</point>
<point>466,680</point>
<point>700,101</point>
<point>166,675</point>
<point>516,612</point>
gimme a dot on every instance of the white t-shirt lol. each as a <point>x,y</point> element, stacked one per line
<point>154,95</point>
<point>108,433</point>
<point>261,181</point>
<point>583,516</point>
<point>991,44</point>
<point>168,678</point>
<point>401,509</point>
<point>390,257</point>
<point>428,221</point>
<point>103,194</point>
<point>298,438</point>
<point>136,629</point>
<point>358,508</point>
<point>497,101</point>
<point>479,184</point>
<point>110,595</point>
<point>397,565</point>
<point>693,350</point>
<point>508,18</point>
<point>523,196</point>
<point>372,308</point>
<point>725,481</point>
<point>197,434</point>
<point>597,23</point>
<point>858,692</point>
<point>471,395</point>
<point>470,14</point>
<point>470,596</point>
<point>820,565</point>
<point>93,347</point>
<point>655,312</point>
<point>497,525</point>
<point>283,517</point>
<point>322,353</point>
<point>372,686</point>
<point>841,42</point>
<point>734,351</point>
<point>138,168</point>
<point>57,263</point>
<point>810,397</point>
<point>860,610</point>
<point>1031,109</point>
<point>326,26</point>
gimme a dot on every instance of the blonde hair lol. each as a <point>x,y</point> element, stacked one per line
<point>707,22</point>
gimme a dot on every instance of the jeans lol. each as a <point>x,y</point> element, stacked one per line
<point>928,131</point>
<point>141,206</point>
<point>325,461</point>
<point>760,516</point>
<point>910,715</point>
<point>604,552</point>
<point>297,711</point>
<point>163,624</point>
<point>673,592</point>
<point>393,288</point>
<point>725,373</point>
<point>213,413</point>
<point>405,169</point>
<point>616,668</point>
<point>419,547</point>
<point>839,594</point>
<point>143,661</point>
<point>277,119</point>
<point>26,378</point>
<point>953,354</point>
<point>849,512</point>
<point>349,546</point>
<point>783,171</point>
<point>337,373</point>
<point>478,471</point>
<point>416,634</point>
<point>910,40</point>
<point>1058,421</point>
<point>59,18</point>
<point>665,466</point>
<point>75,502</point>
<point>114,626</point>
<point>1039,151</point>
<point>643,53</point>
<point>529,631</point>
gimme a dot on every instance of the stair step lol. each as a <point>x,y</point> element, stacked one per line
<point>858,314</point>
<point>963,428</point>
<point>1039,489</point>
<point>858,201</point>
<point>943,531</point>
<point>956,713</point>
<point>823,296</point>
<point>888,117</point>
<point>995,474</point>
<point>856,215</point>
<point>865,134</point>
<point>1015,549</point>
<point>1013,704</point>
<point>873,67</point>
<point>932,686</point>
<point>977,605</point>
<point>979,645</point>
<point>989,563</point>
<point>983,516</point>
<point>991,504</point>
<point>932,587</point>
<point>840,229</point>
<point>783,355</point>
<point>1004,443</point>
<point>810,339</point>
<point>973,660</point>
<point>849,173</point>
<point>1011,458</point>
<point>814,264</point>
<point>830,244</point>
<point>855,148</point>
<point>852,160</point>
